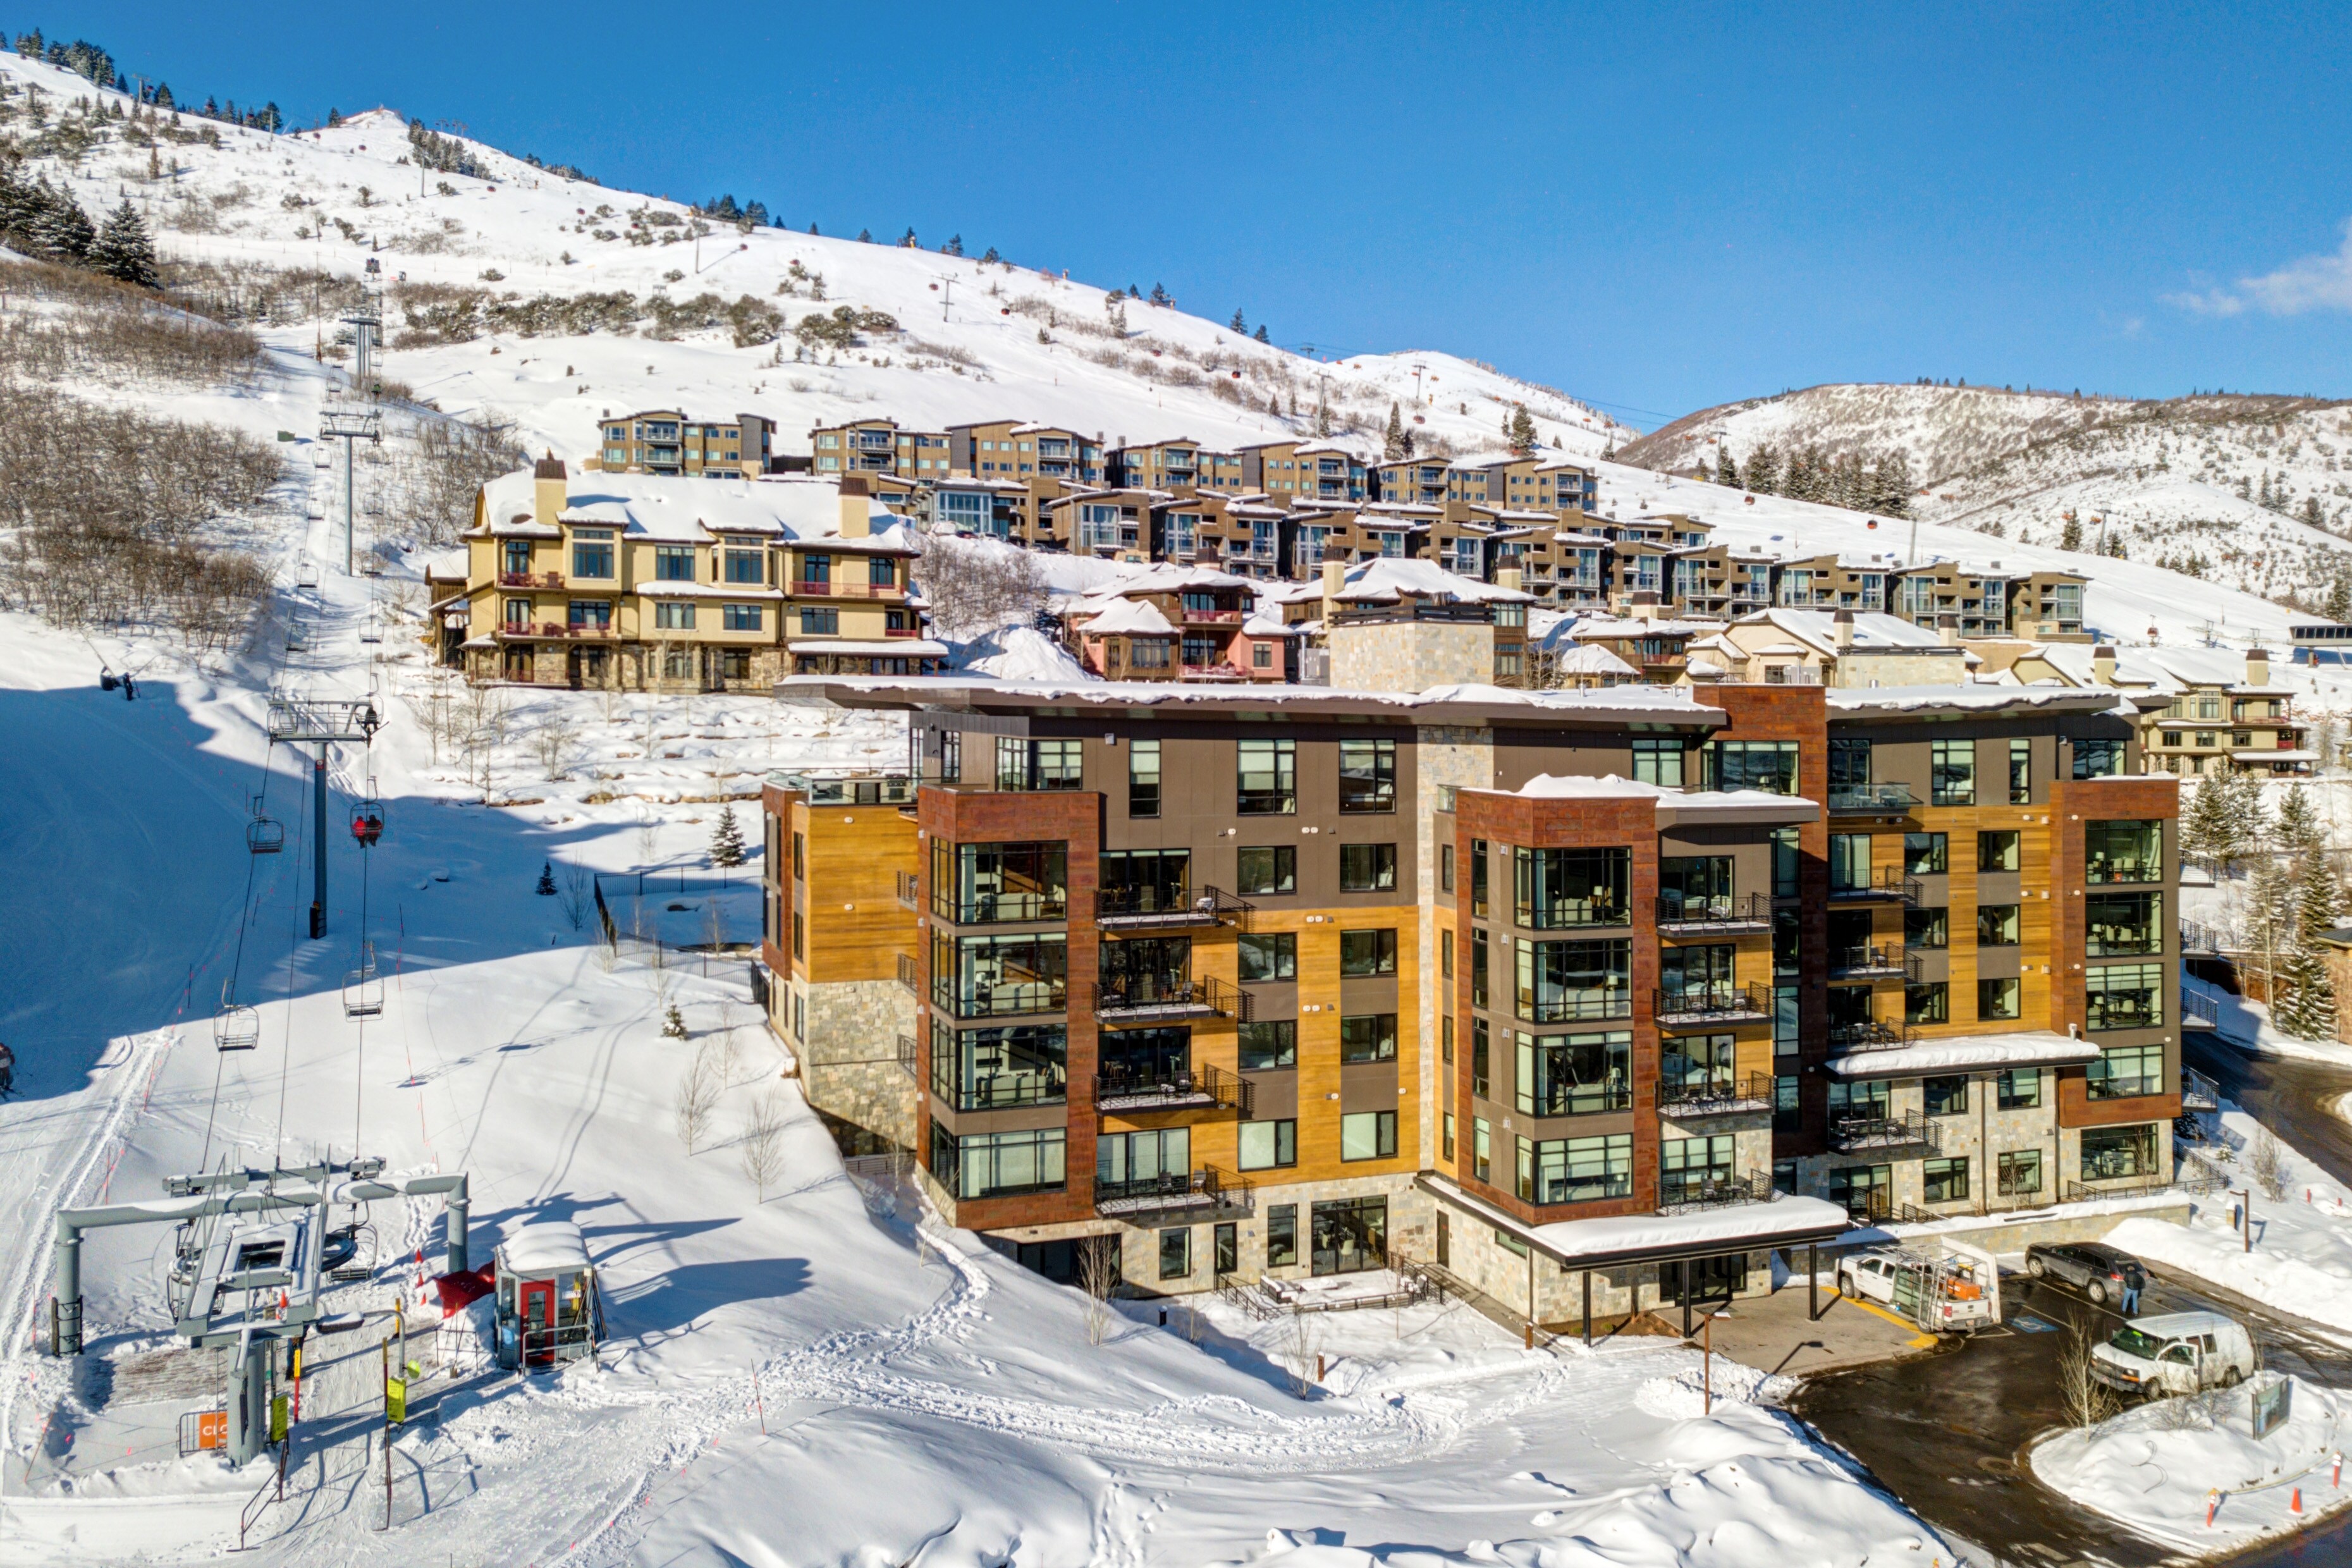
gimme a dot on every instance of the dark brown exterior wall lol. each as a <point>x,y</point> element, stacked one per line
<point>1505,821</point>
<point>2072,803</point>
<point>1075,819</point>
<point>1799,713</point>
<point>776,873</point>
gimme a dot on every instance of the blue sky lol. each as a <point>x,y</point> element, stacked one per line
<point>1655,207</point>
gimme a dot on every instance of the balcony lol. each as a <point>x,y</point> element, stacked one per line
<point>1890,884</point>
<point>1678,914</point>
<point>1716,1094</point>
<point>530,580</point>
<point>1855,1134</point>
<point>1234,617</point>
<point>832,590</point>
<point>1872,799</point>
<point>909,890</point>
<point>1124,1089</point>
<point>2196,937</point>
<point>849,789</point>
<point>1886,962</point>
<point>1710,1003</point>
<point>541,631</point>
<point>2198,1092</point>
<point>1152,998</point>
<point>1147,908</point>
<point>1694,1192</point>
<point>2198,1011</point>
<point>1177,1191</point>
<point>1003,1000</point>
<point>1871,1035</point>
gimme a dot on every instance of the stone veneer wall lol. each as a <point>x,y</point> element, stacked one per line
<point>849,1060</point>
<point>1411,656</point>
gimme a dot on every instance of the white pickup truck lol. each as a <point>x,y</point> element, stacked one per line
<point>2174,1352</point>
<point>1951,1288</point>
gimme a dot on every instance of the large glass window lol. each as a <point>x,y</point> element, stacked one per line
<point>591,553</point>
<point>2019,1173</point>
<point>1926,855</point>
<point>1693,1067</point>
<point>1560,888</point>
<point>2123,851</point>
<point>1997,851</point>
<point>974,884</point>
<point>985,1070</point>
<point>1694,1168</point>
<point>1998,998</point>
<point>1562,981</point>
<point>1266,1145</point>
<point>1131,1060</point>
<point>1575,1075</point>
<point>1269,870</point>
<point>2120,925</point>
<point>1281,1236</point>
<point>1367,867</point>
<point>1348,1235</point>
<point>673,563</point>
<point>1849,862</point>
<point>1143,971</point>
<point>1135,1164</point>
<point>1037,765</point>
<point>1953,776</point>
<point>986,976</point>
<point>1368,1135</point>
<point>2123,1072</point>
<point>1787,850</point>
<point>1367,775</point>
<point>1479,862</point>
<point>1998,925</point>
<point>1658,762</point>
<point>1944,1181</point>
<point>1145,881</point>
<point>1695,977</point>
<point>1264,957</point>
<point>2020,772</point>
<point>1693,887</point>
<point>2113,1152</point>
<point>1368,1037</point>
<point>1576,1169</point>
<point>1269,1046</point>
<point>2124,996</point>
<point>2019,1089</point>
<point>1000,1164</point>
<point>1767,765</point>
<point>1267,778</point>
<point>1849,765</point>
<point>1946,1094</point>
<point>1930,1003</point>
<point>2098,758</point>
<point>1367,952</point>
<point>1143,778</point>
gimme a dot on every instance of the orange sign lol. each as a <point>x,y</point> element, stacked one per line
<point>211,1429</point>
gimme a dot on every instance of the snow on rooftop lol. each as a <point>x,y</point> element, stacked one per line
<point>1386,579</point>
<point>545,1246</point>
<point>1130,617</point>
<point>1954,1052</point>
<point>672,507</point>
<point>1675,806</point>
<point>1974,698</point>
<point>1818,629</point>
<point>1591,658</point>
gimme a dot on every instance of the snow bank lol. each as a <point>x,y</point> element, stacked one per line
<point>2155,1466</point>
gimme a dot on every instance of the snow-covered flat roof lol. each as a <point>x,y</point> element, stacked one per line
<point>1675,806</point>
<point>2297,756</point>
<point>893,647</point>
<point>1975,698</point>
<point>543,1248</point>
<point>1954,1053</point>
<point>1783,1220</point>
<point>1664,705</point>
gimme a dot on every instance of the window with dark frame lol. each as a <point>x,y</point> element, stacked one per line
<point>1368,1037</point>
<point>1143,778</point>
<point>1367,867</point>
<point>1267,869</point>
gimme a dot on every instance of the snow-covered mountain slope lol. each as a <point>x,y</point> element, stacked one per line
<point>976,341</point>
<point>2252,491</point>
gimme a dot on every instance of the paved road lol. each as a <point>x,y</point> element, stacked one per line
<point>1946,1433</point>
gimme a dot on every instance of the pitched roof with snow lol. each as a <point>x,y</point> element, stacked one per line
<point>1130,617</point>
<point>689,510</point>
<point>1387,579</point>
<point>1817,629</point>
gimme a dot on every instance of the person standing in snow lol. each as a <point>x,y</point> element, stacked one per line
<point>8,1071</point>
<point>2131,1295</point>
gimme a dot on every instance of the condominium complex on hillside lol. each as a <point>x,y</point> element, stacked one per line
<point>1224,982</point>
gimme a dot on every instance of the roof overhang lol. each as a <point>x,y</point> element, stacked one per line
<point>1809,1221</point>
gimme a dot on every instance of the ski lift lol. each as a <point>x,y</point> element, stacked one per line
<point>297,637</point>
<point>305,574</point>
<point>265,835</point>
<point>363,987</point>
<point>372,630</point>
<point>367,820</point>
<point>236,1027</point>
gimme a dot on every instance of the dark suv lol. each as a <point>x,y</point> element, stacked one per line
<point>2101,1272</point>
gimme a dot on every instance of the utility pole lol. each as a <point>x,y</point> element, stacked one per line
<point>350,426</point>
<point>299,721</point>
<point>947,296</point>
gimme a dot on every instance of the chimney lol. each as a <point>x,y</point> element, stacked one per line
<point>2258,666</point>
<point>2102,665</point>
<point>1335,577</point>
<point>1644,605</point>
<point>1508,577</point>
<point>547,490</point>
<point>1948,630</point>
<point>1842,631</point>
<point>857,507</point>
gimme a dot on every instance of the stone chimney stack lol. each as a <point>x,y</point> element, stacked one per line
<point>1948,630</point>
<point>1508,577</point>
<point>2258,666</point>
<point>2103,664</point>
<point>1842,631</point>
<point>856,508</point>
<point>547,490</point>
<point>1644,605</point>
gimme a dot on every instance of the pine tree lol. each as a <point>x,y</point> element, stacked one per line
<point>954,246</point>
<point>123,250</point>
<point>2302,992</point>
<point>727,839</point>
<point>60,230</point>
<point>812,229</point>
<point>1763,472</point>
<point>2296,831</point>
<point>992,259</point>
<point>2339,598</point>
<point>1293,402</point>
<point>1259,336</point>
<point>1520,430</point>
<point>1726,472</point>
<point>1323,418</point>
<point>1161,296</point>
<point>1238,324</point>
<point>1394,443</point>
<point>546,888</point>
<point>865,236</point>
<point>673,1023</point>
<point>2206,830</point>
<point>1273,404</point>
<point>2071,536</point>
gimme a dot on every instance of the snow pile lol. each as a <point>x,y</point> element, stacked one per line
<point>1020,653</point>
<point>2302,1257</point>
<point>2155,1466</point>
<point>1684,1395</point>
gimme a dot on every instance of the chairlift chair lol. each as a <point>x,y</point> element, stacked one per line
<point>306,576</point>
<point>265,835</point>
<point>367,820</point>
<point>298,637</point>
<point>363,987</point>
<point>237,1027</point>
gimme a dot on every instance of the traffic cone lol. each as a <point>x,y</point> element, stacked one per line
<point>2295,1502</point>
<point>2212,1506</point>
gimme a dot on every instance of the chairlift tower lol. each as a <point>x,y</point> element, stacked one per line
<point>298,720</point>
<point>350,426</point>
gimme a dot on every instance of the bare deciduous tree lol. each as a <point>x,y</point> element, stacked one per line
<point>1098,1263</point>
<point>2267,1163</point>
<point>575,894</point>
<point>2085,1399</point>
<point>978,585</point>
<point>554,740</point>
<point>699,1086</point>
<point>762,1149</point>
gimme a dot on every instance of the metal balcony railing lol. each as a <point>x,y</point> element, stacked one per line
<point>1887,962</point>
<point>1207,1188</point>
<point>2198,1092</point>
<point>1682,1192</point>
<point>1729,913</point>
<point>1121,1086</point>
<point>1911,1130</point>
<point>1866,799</point>
<point>1889,883</point>
<point>1003,1001</point>
<point>909,890</point>
<point>1137,998</point>
<point>906,976</point>
<point>2198,1011</point>
<point>1716,1094</point>
<point>1711,1004</point>
<point>850,789</point>
<point>907,1057</point>
<point>1154,905</point>
<point>2196,937</point>
<point>1871,1035</point>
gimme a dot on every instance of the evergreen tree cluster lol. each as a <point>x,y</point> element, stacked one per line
<point>2297,897</point>
<point>81,57</point>
<point>442,155</point>
<point>752,213</point>
<point>1396,442</point>
<point>1520,430</point>
<point>1883,485</point>
<point>43,221</point>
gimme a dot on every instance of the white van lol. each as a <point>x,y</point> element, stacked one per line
<point>2174,1352</point>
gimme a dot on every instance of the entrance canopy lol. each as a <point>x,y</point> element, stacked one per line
<point>1783,1220</point>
